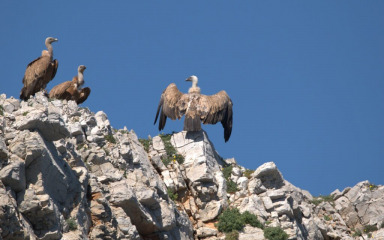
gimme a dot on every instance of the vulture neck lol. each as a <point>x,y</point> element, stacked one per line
<point>194,88</point>
<point>80,80</point>
<point>50,49</point>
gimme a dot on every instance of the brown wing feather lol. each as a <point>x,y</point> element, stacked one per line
<point>37,75</point>
<point>215,108</point>
<point>60,91</point>
<point>168,105</point>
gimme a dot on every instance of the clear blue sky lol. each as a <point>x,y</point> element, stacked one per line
<point>306,77</point>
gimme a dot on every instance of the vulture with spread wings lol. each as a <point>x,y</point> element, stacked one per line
<point>196,107</point>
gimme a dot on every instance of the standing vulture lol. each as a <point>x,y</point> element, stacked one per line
<point>40,71</point>
<point>196,107</point>
<point>71,90</point>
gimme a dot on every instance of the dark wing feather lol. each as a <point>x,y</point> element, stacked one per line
<point>215,108</point>
<point>84,93</point>
<point>168,105</point>
<point>55,65</point>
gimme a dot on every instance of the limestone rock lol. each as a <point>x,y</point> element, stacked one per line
<point>67,174</point>
<point>269,175</point>
<point>13,175</point>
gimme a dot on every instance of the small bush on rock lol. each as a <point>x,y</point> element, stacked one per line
<point>234,235</point>
<point>370,228</point>
<point>232,220</point>
<point>251,219</point>
<point>110,138</point>
<point>172,154</point>
<point>320,199</point>
<point>227,172</point>
<point>247,173</point>
<point>146,143</point>
<point>172,195</point>
<point>72,225</point>
<point>231,186</point>
<point>275,233</point>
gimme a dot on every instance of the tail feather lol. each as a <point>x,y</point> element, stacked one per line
<point>23,94</point>
<point>192,123</point>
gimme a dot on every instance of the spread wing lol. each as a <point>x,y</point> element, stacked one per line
<point>84,93</point>
<point>60,91</point>
<point>168,105</point>
<point>215,108</point>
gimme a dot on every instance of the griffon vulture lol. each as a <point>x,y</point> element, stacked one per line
<point>196,107</point>
<point>40,71</point>
<point>71,90</point>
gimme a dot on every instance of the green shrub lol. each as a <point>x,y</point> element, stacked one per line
<point>25,113</point>
<point>320,199</point>
<point>251,219</point>
<point>231,186</point>
<point>248,173</point>
<point>327,218</point>
<point>1,110</point>
<point>370,228</point>
<point>179,158</point>
<point>71,224</point>
<point>166,160</point>
<point>234,235</point>
<point>106,151</point>
<point>232,220</point>
<point>80,146</point>
<point>172,154</point>
<point>275,233</point>
<point>227,172</point>
<point>146,143</point>
<point>372,187</point>
<point>357,233</point>
<point>110,138</point>
<point>172,195</point>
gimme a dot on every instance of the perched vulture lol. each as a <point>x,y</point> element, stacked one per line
<point>40,71</point>
<point>196,107</point>
<point>71,90</point>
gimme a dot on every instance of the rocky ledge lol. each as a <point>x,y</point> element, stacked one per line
<point>67,174</point>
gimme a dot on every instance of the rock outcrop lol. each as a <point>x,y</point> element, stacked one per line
<point>67,174</point>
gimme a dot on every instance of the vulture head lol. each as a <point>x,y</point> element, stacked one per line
<point>81,68</point>
<point>194,88</point>
<point>192,79</point>
<point>50,40</point>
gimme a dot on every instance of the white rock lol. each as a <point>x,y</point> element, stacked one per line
<point>269,175</point>
<point>211,211</point>
<point>242,183</point>
<point>251,233</point>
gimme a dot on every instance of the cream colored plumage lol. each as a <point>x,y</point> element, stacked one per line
<point>196,107</point>
<point>40,71</point>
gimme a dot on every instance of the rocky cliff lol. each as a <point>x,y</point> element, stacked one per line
<point>67,174</point>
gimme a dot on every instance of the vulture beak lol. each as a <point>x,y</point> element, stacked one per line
<point>188,79</point>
